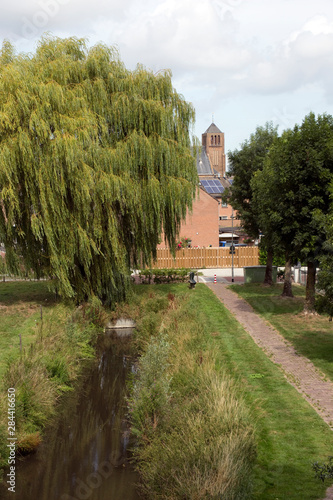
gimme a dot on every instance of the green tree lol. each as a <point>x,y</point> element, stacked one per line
<point>95,162</point>
<point>244,163</point>
<point>292,187</point>
<point>269,198</point>
<point>325,275</point>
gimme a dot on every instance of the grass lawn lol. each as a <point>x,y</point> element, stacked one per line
<point>20,303</point>
<point>312,336</point>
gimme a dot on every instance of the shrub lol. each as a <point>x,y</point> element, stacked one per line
<point>324,471</point>
<point>278,259</point>
<point>324,305</point>
<point>148,276</point>
<point>324,283</point>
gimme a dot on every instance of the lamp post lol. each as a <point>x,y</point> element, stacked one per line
<point>232,246</point>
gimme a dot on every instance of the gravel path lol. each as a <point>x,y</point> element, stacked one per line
<point>300,372</point>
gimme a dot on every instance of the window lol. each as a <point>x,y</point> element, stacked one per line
<point>224,205</point>
<point>223,217</point>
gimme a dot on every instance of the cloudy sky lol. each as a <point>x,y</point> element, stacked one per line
<point>245,62</point>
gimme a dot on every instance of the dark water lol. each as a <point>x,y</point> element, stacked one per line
<point>85,455</point>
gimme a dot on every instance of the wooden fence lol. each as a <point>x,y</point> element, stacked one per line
<point>199,258</point>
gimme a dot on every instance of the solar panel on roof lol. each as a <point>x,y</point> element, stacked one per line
<point>212,186</point>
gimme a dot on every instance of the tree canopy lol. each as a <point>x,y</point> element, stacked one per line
<point>243,163</point>
<point>95,162</point>
<point>293,187</point>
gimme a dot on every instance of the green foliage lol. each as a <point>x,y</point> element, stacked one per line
<point>147,326</point>
<point>164,275</point>
<point>93,312</point>
<point>292,189</point>
<point>151,390</point>
<point>205,450</point>
<point>57,370</point>
<point>324,305</point>
<point>325,470</point>
<point>294,185</point>
<point>3,266</point>
<point>195,437</point>
<point>95,162</point>
<point>278,258</point>
<point>325,276</point>
<point>45,369</point>
<point>35,396</point>
<point>80,337</point>
<point>325,284</point>
<point>244,163</point>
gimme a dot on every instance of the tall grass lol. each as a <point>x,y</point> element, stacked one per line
<point>196,438</point>
<point>203,448</point>
<point>44,370</point>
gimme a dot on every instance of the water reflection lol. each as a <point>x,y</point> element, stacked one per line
<point>85,453</point>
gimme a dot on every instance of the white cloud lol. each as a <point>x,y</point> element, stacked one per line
<point>303,59</point>
<point>220,51</point>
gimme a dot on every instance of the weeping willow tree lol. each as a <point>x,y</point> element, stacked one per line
<point>95,163</point>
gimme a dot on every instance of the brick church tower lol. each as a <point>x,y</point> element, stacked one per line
<point>213,142</point>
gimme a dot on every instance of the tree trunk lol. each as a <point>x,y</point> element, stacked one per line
<point>287,290</point>
<point>269,268</point>
<point>310,287</point>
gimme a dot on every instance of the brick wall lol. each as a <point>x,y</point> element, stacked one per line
<point>202,225</point>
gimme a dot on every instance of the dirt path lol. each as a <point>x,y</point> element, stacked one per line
<point>300,372</point>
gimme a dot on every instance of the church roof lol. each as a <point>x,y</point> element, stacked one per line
<point>213,129</point>
<point>203,163</point>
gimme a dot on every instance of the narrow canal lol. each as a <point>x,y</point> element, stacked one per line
<point>84,455</point>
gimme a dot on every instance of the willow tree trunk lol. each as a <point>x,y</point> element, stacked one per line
<point>287,290</point>
<point>269,268</point>
<point>310,287</point>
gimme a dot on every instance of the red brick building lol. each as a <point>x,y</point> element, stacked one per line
<point>211,166</point>
<point>202,225</point>
<point>213,147</point>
